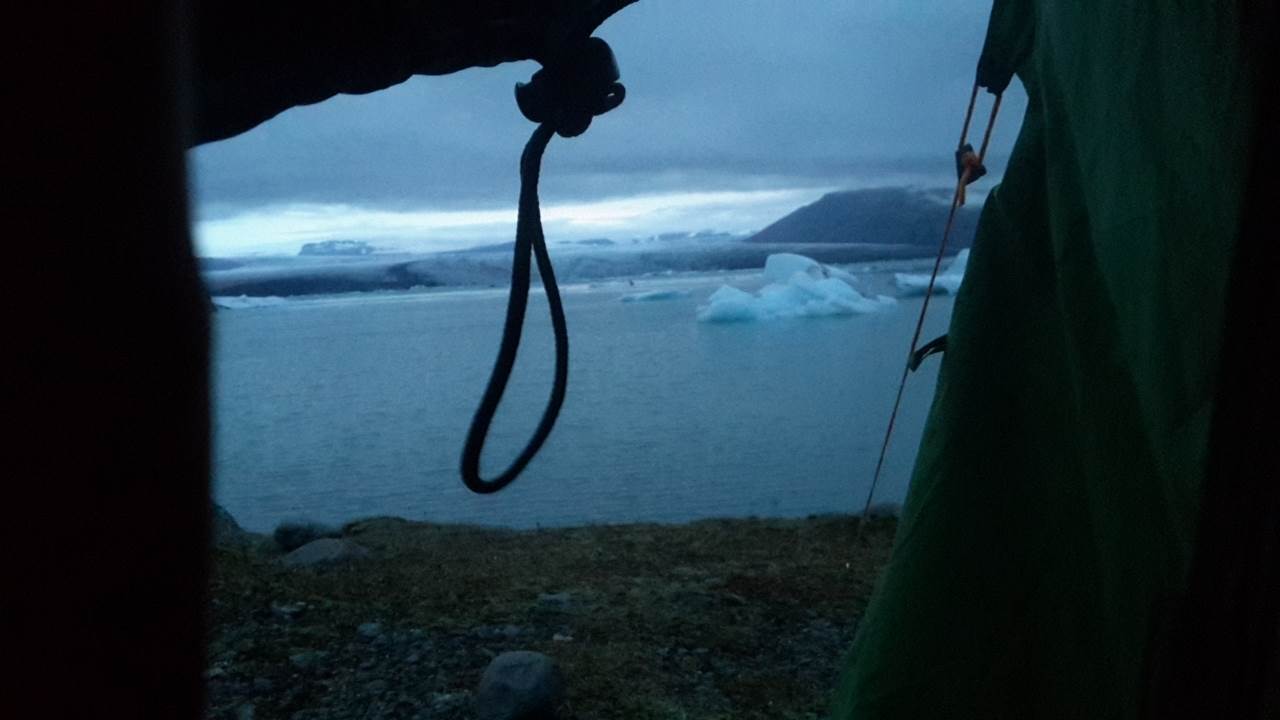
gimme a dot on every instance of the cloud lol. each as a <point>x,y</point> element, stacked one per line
<point>284,228</point>
<point>723,95</point>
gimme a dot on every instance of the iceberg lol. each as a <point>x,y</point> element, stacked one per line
<point>798,287</point>
<point>948,280</point>
<point>779,268</point>
<point>245,302</point>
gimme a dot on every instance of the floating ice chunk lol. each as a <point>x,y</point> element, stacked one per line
<point>779,267</point>
<point>729,304</point>
<point>655,295</point>
<point>244,302</point>
<point>948,280</point>
<point>801,287</point>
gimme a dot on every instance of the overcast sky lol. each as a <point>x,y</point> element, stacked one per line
<point>737,112</point>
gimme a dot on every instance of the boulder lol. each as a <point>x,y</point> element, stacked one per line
<point>226,531</point>
<point>520,685</point>
<point>325,551</point>
<point>292,535</point>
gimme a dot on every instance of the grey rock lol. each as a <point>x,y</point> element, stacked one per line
<point>497,632</point>
<point>226,531</point>
<point>376,687</point>
<point>245,712</point>
<point>520,685</point>
<point>442,702</point>
<point>292,535</point>
<point>326,551</point>
<point>556,601</point>
<point>369,630</point>
<point>308,659</point>
<point>288,611</point>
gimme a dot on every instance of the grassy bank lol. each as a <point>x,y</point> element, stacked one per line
<point>716,619</point>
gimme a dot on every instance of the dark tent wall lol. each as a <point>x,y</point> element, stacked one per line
<point>106,432</point>
<point>1090,396</point>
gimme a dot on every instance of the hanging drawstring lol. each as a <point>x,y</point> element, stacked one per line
<point>562,98</point>
<point>969,167</point>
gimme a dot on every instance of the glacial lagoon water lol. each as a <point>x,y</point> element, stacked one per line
<point>335,408</point>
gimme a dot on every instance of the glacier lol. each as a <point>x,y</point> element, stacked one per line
<point>948,280</point>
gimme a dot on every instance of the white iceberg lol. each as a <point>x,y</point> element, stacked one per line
<point>948,280</point>
<point>779,268</point>
<point>245,302</point>
<point>799,287</point>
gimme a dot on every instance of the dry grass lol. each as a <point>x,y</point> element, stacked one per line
<point>726,618</point>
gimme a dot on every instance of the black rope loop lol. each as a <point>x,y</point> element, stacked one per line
<point>562,100</point>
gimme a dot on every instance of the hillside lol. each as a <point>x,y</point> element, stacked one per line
<point>889,216</point>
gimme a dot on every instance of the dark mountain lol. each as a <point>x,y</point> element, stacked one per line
<point>885,216</point>
<point>210,264</point>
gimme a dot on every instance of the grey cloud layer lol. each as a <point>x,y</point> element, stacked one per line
<point>722,94</point>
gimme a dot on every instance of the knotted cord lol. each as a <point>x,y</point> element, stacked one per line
<point>562,99</point>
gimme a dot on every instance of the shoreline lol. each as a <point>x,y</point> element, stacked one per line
<point>714,618</point>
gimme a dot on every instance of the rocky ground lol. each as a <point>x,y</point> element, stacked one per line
<point>717,619</point>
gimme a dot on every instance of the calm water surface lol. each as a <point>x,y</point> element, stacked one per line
<point>345,407</point>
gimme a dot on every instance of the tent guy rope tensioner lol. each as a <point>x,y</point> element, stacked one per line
<point>969,167</point>
<point>563,97</point>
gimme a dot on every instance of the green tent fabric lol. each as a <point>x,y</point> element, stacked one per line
<point>1053,505</point>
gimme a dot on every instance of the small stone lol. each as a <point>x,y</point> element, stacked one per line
<point>520,686</point>
<point>326,551</point>
<point>245,712</point>
<point>369,630</point>
<point>308,659</point>
<point>413,659</point>
<point>288,611</point>
<point>292,535</point>
<point>215,672</point>
<point>377,687</point>
<point>556,601</point>
<point>226,531</point>
<point>497,632</point>
<point>263,685</point>
<point>446,701</point>
<point>561,637</point>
